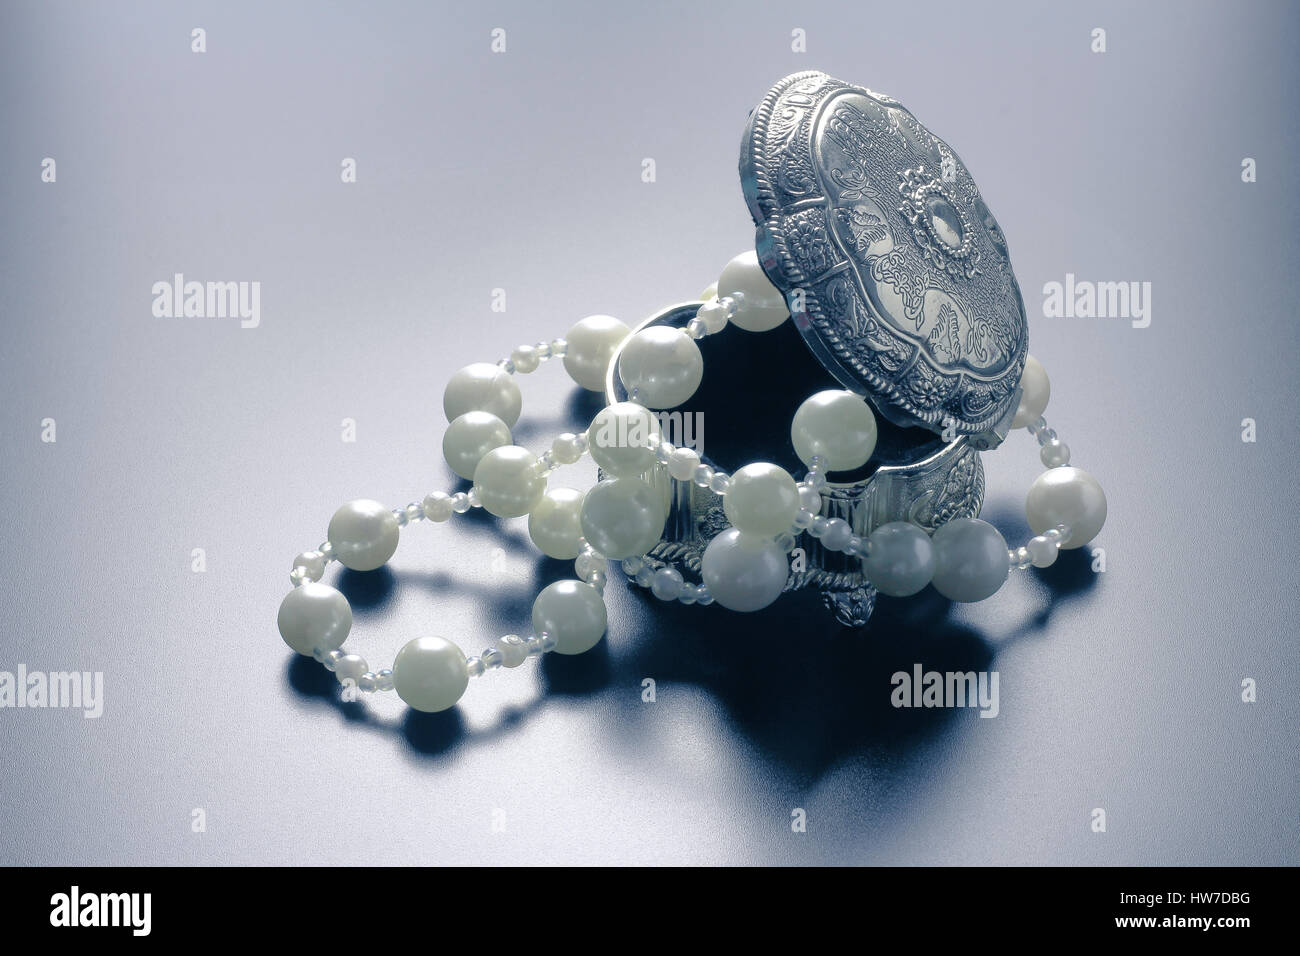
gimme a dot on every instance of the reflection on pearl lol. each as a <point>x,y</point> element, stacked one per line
<point>364,534</point>
<point>555,523</point>
<point>573,613</point>
<point>970,559</point>
<point>483,387</point>
<point>621,437</point>
<point>591,344</point>
<point>1036,389</point>
<point>901,559</point>
<point>763,499</point>
<point>314,618</point>
<point>623,517</point>
<point>744,572</point>
<point>430,674</point>
<point>1068,496</point>
<point>509,482</point>
<point>761,305</point>
<point>661,366</point>
<point>471,436</point>
<point>836,425</point>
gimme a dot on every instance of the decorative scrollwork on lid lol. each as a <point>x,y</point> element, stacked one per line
<point>905,281</point>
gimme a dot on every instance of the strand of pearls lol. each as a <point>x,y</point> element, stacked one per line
<point>482,403</point>
<point>967,559</point>
<point>622,518</point>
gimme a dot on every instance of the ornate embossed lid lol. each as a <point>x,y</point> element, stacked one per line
<point>896,273</point>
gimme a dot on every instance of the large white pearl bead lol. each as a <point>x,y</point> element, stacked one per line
<point>661,366</point>
<point>364,534</point>
<point>314,618</point>
<point>508,481</point>
<point>763,499</point>
<point>483,387</point>
<point>901,559</point>
<point>591,344</point>
<point>621,439</point>
<point>573,613</point>
<point>555,523</point>
<point>836,425</point>
<point>471,436</point>
<point>744,572</point>
<point>430,674</point>
<point>1036,389</point>
<point>970,559</point>
<point>623,517</point>
<point>1068,496</point>
<point>761,305</point>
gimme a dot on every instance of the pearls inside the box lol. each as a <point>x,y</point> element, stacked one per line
<point>837,426</point>
<point>762,306</point>
<point>661,367</point>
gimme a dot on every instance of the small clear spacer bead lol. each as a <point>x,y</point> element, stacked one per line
<point>492,658</point>
<point>559,347</point>
<point>632,565</point>
<point>327,550</point>
<point>400,515</point>
<point>384,679</point>
<point>703,475</point>
<point>546,642</point>
<point>367,682</point>
<point>414,512</point>
<point>460,503</point>
<point>695,329</point>
<point>508,366</point>
<point>543,351</point>
<point>720,483</point>
<point>298,576</point>
<point>475,666</point>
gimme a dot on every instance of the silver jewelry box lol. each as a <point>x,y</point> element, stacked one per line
<point>900,285</point>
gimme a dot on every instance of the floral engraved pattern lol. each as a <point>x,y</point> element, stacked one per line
<point>912,295</point>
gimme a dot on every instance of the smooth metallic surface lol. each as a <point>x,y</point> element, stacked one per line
<point>937,484</point>
<point>896,272</point>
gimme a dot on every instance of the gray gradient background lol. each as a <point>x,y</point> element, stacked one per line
<point>522,171</point>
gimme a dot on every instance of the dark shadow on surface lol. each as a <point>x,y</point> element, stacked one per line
<point>367,589</point>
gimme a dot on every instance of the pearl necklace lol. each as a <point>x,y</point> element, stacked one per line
<point>744,568</point>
